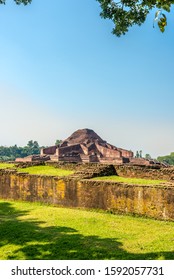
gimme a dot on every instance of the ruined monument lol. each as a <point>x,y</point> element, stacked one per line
<point>84,145</point>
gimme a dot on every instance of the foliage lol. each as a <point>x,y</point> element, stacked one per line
<point>126,13</point>
<point>168,159</point>
<point>31,231</point>
<point>58,142</point>
<point>18,2</point>
<point>134,181</point>
<point>148,156</point>
<point>138,154</point>
<point>32,147</point>
<point>13,152</point>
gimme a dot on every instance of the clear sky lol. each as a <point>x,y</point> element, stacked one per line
<point>61,70</point>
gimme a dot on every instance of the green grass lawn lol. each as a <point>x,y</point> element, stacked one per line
<point>46,170</point>
<point>137,181</point>
<point>4,165</point>
<point>36,231</point>
<point>40,170</point>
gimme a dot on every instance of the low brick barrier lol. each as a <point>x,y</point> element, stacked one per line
<point>148,172</point>
<point>151,201</point>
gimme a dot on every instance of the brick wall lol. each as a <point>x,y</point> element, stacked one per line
<point>151,172</point>
<point>156,201</point>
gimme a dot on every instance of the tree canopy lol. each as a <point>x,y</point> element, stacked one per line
<point>168,159</point>
<point>13,152</point>
<point>18,2</point>
<point>126,13</point>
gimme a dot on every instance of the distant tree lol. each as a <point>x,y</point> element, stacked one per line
<point>13,152</point>
<point>140,154</point>
<point>32,147</point>
<point>10,153</point>
<point>137,155</point>
<point>4,153</point>
<point>30,144</point>
<point>58,142</point>
<point>147,156</point>
<point>126,13</point>
<point>168,159</point>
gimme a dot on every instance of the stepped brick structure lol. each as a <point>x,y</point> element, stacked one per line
<point>84,145</point>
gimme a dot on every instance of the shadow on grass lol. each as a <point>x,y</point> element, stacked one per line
<point>33,241</point>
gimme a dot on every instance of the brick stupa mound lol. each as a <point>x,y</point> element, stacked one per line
<point>85,145</point>
<point>83,136</point>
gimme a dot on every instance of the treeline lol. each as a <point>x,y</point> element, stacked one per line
<point>168,159</point>
<point>33,148</point>
<point>13,152</point>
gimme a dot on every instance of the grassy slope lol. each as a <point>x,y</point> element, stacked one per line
<point>33,231</point>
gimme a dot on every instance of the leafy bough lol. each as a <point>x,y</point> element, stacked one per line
<point>127,13</point>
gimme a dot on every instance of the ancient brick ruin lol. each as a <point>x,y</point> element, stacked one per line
<point>84,145</point>
<point>156,201</point>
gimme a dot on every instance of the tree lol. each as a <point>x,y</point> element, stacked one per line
<point>32,147</point>
<point>148,156</point>
<point>126,13</point>
<point>18,2</point>
<point>58,142</point>
<point>168,159</point>
<point>140,153</point>
<point>137,154</point>
<point>13,152</point>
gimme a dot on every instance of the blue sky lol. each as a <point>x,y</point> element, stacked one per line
<point>61,69</point>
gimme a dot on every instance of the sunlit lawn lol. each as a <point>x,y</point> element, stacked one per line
<point>46,170</point>
<point>4,165</point>
<point>35,231</point>
<point>40,170</point>
<point>134,181</point>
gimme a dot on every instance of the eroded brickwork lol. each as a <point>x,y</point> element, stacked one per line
<point>149,172</point>
<point>151,201</point>
<point>84,145</point>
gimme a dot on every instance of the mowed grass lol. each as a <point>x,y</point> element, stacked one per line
<point>135,181</point>
<point>39,170</point>
<point>46,170</point>
<point>36,231</point>
<point>4,165</point>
